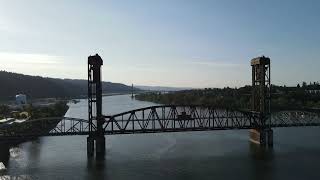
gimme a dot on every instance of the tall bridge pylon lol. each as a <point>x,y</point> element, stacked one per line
<point>96,139</point>
<point>261,100</point>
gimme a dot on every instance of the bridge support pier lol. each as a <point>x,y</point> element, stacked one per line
<point>262,137</point>
<point>96,146</point>
<point>90,146</point>
<point>100,146</point>
<point>270,138</point>
<point>4,152</point>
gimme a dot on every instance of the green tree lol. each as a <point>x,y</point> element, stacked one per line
<point>304,84</point>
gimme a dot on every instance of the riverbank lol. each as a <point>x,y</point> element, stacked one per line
<point>35,111</point>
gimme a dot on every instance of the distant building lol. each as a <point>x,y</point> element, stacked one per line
<point>21,99</point>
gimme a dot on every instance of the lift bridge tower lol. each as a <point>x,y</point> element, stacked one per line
<point>261,100</point>
<point>96,139</point>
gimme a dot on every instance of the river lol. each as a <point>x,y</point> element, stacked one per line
<point>187,155</point>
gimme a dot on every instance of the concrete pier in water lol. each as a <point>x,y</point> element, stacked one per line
<point>263,137</point>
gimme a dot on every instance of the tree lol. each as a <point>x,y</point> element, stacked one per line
<point>298,86</point>
<point>304,84</point>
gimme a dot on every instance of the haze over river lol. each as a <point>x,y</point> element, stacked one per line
<point>187,155</point>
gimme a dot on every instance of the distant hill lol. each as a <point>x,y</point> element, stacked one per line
<point>40,87</point>
<point>161,88</point>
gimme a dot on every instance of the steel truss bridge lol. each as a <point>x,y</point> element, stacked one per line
<point>166,118</point>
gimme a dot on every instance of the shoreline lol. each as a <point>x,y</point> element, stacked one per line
<point>55,99</point>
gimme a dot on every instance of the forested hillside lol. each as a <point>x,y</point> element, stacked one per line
<point>40,87</point>
<point>299,97</point>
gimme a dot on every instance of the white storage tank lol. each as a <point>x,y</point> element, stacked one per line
<point>21,99</point>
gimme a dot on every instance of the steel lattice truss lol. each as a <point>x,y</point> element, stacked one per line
<point>157,119</point>
<point>53,126</point>
<point>294,118</point>
<point>179,118</point>
<point>201,118</point>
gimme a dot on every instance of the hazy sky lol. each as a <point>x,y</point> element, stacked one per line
<point>182,43</point>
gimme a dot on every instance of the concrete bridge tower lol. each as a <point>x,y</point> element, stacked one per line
<point>96,139</point>
<point>261,100</point>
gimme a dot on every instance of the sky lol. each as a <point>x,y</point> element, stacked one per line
<point>179,43</point>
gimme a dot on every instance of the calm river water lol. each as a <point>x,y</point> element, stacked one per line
<point>192,155</point>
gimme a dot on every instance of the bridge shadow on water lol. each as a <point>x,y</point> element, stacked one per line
<point>97,168</point>
<point>259,153</point>
<point>262,161</point>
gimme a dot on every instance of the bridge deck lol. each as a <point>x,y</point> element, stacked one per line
<point>158,119</point>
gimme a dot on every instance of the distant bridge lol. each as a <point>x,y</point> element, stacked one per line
<point>165,118</point>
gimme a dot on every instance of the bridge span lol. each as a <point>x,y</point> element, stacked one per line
<point>165,118</point>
